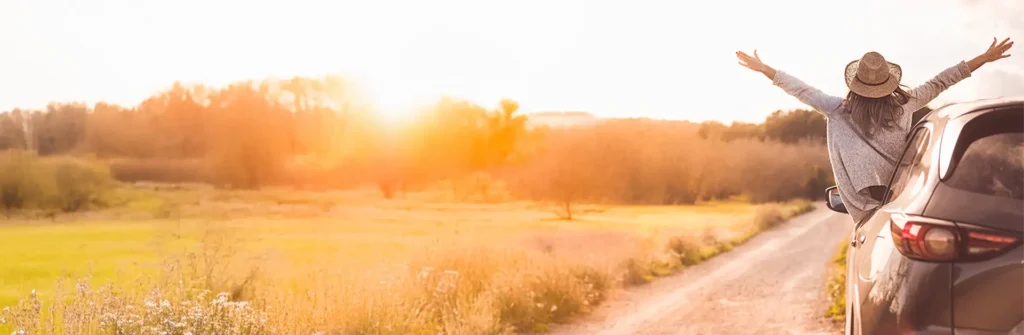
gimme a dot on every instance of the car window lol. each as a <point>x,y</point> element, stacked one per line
<point>911,155</point>
<point>992,165</point>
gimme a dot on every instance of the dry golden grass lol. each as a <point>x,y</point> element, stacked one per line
<point>343,262</point>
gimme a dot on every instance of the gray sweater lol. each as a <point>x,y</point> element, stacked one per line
<point>855,165</point>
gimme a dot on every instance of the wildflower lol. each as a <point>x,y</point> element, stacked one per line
<point>33,296</point>
<point>554,308</point>
<point>3,320</point>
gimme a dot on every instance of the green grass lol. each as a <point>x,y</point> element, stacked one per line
<point>293,237</point>
<point>836,287</point>
<point>35,254</point>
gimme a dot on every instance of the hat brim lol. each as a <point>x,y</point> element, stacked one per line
<point>873,91</point>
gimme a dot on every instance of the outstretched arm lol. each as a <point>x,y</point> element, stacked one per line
<point>821,102</point>
<point>922,95</point>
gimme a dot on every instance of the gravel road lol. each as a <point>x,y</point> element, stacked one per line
<point>773,284</point>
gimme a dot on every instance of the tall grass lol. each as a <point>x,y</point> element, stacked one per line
<point>209,287</point>
<point>664,163</point>
<point>836,287</point>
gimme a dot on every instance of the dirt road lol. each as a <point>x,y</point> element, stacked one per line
<point>773,284</point>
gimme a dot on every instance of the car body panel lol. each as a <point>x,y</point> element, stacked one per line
<point>888,293</point>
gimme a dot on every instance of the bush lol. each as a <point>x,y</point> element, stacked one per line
<point>59,183</point>
<point>768,216</point>
<point>79,183</point>
<point>160,170</point>
<point>23,181</point>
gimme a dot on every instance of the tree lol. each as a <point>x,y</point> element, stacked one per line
<point>12,130</point>
<point>60,129</point>
<point>249,136</point>
<point>794,126</point>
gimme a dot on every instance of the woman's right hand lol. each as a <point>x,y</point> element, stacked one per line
<point>755,63</point>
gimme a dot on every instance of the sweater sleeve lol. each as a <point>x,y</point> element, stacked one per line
<point>821,102</point>
<point>922,95</point>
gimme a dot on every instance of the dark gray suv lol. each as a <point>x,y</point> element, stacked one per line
<point>944,253</point>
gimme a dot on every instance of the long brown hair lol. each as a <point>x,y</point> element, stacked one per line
<point>869,113</point>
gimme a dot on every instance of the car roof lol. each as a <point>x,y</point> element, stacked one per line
<point>953,117</point>
<point>955,110</point>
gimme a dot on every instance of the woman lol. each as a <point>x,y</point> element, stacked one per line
<point>866,130</point>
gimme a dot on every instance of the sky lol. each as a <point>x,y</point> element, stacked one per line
<point>641,58</point>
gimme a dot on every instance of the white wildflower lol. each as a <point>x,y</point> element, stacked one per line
<point>33,295</point>
<point>554,308</point>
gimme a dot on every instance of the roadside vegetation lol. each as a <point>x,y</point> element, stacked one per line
<point>280,261</point>
<point>286,206</point>
<point>836,287</point>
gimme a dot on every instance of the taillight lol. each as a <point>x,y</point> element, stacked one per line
<point>936,240</point>
<point>980,244</point>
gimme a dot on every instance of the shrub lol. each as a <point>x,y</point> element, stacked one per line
<point>79,183</point>
<point>160,170</point>
<point>687,249</point>
<point>768,216</point>
<point>58,183</point>
<point>24,181</point>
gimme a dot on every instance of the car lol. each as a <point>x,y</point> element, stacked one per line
<point>943,253</point>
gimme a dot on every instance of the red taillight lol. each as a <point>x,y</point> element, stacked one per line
<point>939,241</point>
<point>981,244</point>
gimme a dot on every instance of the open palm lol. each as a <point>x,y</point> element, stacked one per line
<point>751,62</point>
<point>997,51</point>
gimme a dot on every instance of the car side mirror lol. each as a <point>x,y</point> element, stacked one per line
<point>833,201</point>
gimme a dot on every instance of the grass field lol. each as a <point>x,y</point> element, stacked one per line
<point>353,262</point>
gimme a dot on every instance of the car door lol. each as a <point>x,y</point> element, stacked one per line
<point>873,250</point>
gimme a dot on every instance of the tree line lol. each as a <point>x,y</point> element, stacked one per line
<point>321,133</point>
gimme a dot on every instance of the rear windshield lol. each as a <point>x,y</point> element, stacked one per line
<point>992,160</point>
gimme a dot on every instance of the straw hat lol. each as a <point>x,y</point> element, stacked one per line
<point>873,77</point>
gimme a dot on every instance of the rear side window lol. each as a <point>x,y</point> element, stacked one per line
<point>911,156</point>
<point>990,156</point>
